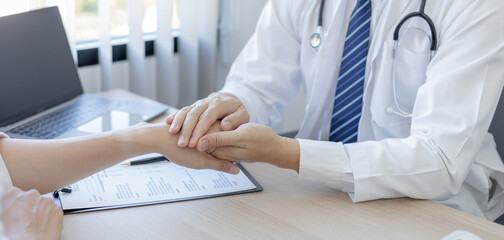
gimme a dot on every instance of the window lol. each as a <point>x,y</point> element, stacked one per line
<point>13,7</point>
<point>86,20</point>
<point>85,27</point>
<point>86,15</point>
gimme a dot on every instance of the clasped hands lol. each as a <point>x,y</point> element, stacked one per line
<point>239,141</point>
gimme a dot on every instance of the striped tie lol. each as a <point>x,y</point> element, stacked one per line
<point>348,99</point>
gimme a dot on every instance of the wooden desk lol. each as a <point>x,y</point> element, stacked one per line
<point>288,208</point>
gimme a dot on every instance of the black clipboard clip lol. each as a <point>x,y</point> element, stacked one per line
<point>65,190</point>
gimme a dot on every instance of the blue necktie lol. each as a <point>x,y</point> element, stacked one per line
<point>348,99</point>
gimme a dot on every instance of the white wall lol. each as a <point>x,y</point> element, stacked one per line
<point>238,20</point>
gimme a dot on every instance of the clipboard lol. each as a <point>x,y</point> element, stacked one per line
<point>257,188</point>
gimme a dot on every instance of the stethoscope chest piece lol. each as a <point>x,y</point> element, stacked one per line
<point>316,39</point>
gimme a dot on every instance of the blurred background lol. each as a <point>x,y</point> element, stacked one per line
<point>170,50</point>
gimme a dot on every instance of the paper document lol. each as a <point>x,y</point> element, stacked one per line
<point>156,182</point>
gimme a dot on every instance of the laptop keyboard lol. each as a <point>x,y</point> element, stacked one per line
<point>56,123</point>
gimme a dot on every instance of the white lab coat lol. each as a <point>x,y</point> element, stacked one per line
<point>444,152</point>
<point>5,184</point>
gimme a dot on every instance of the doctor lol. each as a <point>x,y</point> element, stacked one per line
<point>393,108</point>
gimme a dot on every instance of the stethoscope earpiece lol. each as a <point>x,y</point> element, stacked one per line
<point>391,110</point>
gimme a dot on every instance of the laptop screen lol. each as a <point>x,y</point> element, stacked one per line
<point>37,70</point>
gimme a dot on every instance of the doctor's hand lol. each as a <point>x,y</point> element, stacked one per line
<point>194,121</point>
<point>27,215</point>
<point>252,143</point>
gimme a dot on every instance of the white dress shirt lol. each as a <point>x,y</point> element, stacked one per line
<point>5,183</point>
<point>443,152</point>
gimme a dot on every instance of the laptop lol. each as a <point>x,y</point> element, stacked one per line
<point>41,95</point>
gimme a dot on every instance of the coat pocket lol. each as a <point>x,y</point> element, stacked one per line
<point>399,73</point>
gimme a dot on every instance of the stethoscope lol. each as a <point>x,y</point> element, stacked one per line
<point>317,38</point>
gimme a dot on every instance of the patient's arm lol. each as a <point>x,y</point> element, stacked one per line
<point>50,164</point>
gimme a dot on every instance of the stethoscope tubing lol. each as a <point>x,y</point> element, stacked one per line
<point>420,14</point>
<point>316,37</point>
<point>316,41</point>
<point>320,22</point>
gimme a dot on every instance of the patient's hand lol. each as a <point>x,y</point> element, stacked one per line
<point>252,143</point>
<point>27,215</point>
<point>156,138</point>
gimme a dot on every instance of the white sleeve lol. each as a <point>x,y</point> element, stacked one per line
<point>2,233</point>
<point>2,191</point>
<point>5,183</point>
<point>325,163</point>
<point>451,115</point>
<point>5,180</point>
<point>266,75</point>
